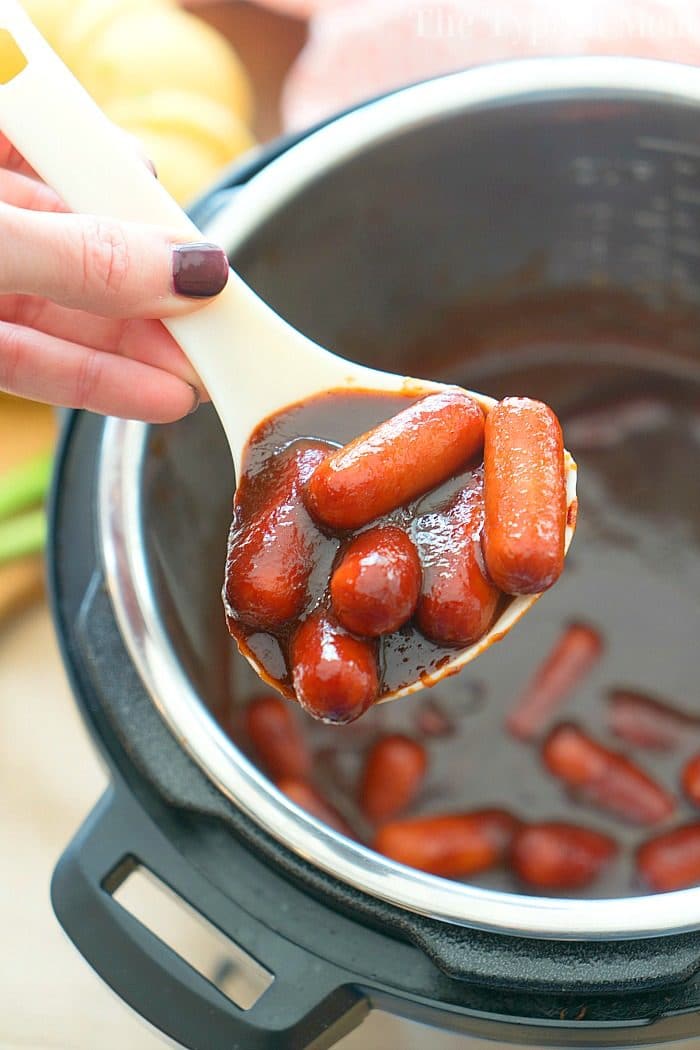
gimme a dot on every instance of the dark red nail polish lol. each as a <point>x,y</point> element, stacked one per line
<point>199,270</point>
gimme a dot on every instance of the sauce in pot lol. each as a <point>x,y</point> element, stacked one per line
<point>631,594</point>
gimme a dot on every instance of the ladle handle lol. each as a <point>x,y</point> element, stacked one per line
<point>62,133</point>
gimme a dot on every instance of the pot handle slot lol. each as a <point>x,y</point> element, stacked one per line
<point>295,1000</point>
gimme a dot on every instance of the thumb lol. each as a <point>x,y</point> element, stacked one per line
<point>102,266</point>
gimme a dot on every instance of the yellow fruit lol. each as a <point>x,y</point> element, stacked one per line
<point>185,166</point>
<point>49,16</point>
<point>12,59</point>
<point>87,19</point>
<point>184,114</point>
<point>152,50</point>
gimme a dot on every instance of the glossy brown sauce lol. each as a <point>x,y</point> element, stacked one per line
<point>337,417</point>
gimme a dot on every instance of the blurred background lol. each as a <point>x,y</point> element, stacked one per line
<point>201,84</point>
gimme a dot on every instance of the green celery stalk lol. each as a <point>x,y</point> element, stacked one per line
<point>25,486</point>
<point>22,535</point>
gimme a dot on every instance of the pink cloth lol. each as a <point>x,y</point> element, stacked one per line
<point>358,48</point>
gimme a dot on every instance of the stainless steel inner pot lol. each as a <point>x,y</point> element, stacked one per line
<point>527,176</point>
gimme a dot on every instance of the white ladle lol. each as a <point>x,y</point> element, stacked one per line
<point>251,361</point>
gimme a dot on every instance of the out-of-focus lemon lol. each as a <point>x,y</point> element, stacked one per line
<point>160,49</point>
<point>12,59</point>
<point>201,120</point>
<point>161,74</point>
<point>185,166</point>
<point>49,16</point>
<point>88,18</point>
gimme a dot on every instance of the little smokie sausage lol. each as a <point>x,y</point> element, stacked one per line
<point>334,675</point>
<point>276,737</point>
<point>432,720</point>
<point>671,861</point>
<point>305,795</point>
<point>392,776</point>
<point>575,654</point>
<point>690,779</point>
<point>557,856</point>
<point>400,459</point>
<point>605,778</point>
<point>272,540</point>
<point>374,588</point>
<point>648,722</point>
<point>457,603</point>
<point>452,845</point>
<point>525,495</point>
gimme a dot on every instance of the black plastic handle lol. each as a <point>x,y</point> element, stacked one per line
<point>308,1004</point>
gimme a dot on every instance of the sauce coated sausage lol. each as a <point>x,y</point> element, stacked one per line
<point>525,495</point>
<point>271,542</point>
<point>452,845</point>
<point>400,459</point>
<point>394,771</point>
<point>374,588</point>
<point>276,737</point>
<point>671,861</point>
<point>305,795</point>
<point>334,675</point>
<point>575,654</point>
<point>558,856</point>
<point>457,603</point>
<point>605,778</point>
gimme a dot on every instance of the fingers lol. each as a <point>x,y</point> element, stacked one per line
<point>151,344</point>
<point>106,267</point>
<point>67,286</point>
<point>10,158</point>
<point>42,367</point>
<point>141,340</point>
<point>23,192</point>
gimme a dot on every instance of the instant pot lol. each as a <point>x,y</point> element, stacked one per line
<point>455,198</point>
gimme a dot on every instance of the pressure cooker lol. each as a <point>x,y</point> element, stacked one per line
<point>413,233</point>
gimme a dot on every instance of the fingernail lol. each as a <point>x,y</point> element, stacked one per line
<point>196,399</point>
<point>199,270</point>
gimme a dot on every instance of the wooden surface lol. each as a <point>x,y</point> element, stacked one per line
<point>25,429</point>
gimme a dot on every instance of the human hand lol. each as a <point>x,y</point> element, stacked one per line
<point>78,298</point>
